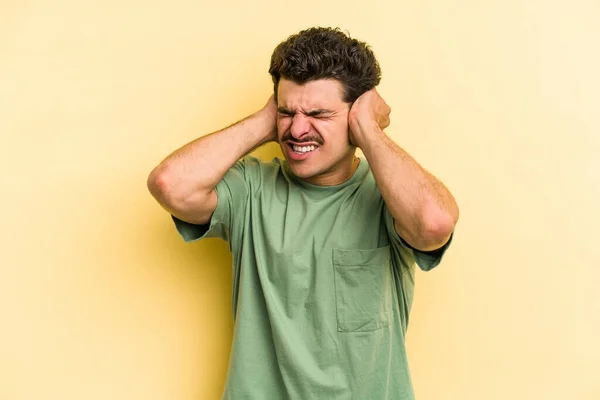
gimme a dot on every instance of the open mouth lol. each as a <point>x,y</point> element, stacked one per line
<point>299,149</point>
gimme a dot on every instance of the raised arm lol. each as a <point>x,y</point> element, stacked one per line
<point>184,182</point>
<point>424,211</point>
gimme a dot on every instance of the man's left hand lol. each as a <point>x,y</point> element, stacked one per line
<point>369,111</point>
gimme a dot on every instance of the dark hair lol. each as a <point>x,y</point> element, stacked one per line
<point>322,53</point>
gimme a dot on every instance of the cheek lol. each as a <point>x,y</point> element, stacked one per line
<point>333,133</point>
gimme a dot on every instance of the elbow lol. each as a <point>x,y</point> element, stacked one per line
<point>158,183</point>
<point>163,185</point>
<point>438,231</point>
<point>175,194</point>
<point>438,225</point>
<point>431,229</point>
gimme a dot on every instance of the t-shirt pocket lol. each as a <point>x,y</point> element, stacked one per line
<point>362,289</point>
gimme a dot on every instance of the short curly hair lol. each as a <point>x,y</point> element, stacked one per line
<point>326,53</point>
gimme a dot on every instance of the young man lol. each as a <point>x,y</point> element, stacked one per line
<point>324,244</point>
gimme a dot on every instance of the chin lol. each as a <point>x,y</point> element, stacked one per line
<point>303,171</point>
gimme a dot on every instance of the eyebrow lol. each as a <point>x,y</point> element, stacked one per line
<point>312,113</point>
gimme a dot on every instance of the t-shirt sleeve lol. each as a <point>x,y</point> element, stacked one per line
<point>426,260</point>
<point>232,195</point>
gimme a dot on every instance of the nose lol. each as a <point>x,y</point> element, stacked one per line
<point>300,126</point>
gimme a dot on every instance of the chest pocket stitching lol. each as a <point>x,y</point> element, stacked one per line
<point>363,295</point>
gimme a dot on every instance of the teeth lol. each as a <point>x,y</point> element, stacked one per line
<point>303,149</point>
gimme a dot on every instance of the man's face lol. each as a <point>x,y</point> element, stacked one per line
<point>312,128</point>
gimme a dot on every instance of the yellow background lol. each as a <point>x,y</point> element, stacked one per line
<point>100,299</point>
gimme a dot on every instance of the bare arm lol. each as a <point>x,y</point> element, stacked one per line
<point>184,182</point>
<point>424,211</point>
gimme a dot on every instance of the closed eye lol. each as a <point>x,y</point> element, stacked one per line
<point>319,114</point>
<point>284,112</point>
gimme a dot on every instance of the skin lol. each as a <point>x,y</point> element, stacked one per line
<point>314,113</point>
<point>424,211</point>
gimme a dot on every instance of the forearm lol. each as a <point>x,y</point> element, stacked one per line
<point>201,164</point>
<point>424,211</point>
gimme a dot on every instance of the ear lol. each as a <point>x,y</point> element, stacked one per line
<point>350,135</point>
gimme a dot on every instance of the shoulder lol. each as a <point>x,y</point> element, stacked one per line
<point>255,166</point>
<point>367,184</point>
<point>260,174</point>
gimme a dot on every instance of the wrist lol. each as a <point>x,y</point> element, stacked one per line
<point>363,131</point>
<point>266,122</point>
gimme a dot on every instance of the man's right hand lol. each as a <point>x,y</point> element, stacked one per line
<point>270,113</point>
<point>184,182</point>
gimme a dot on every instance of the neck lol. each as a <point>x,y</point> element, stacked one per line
<point>338,175</point>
